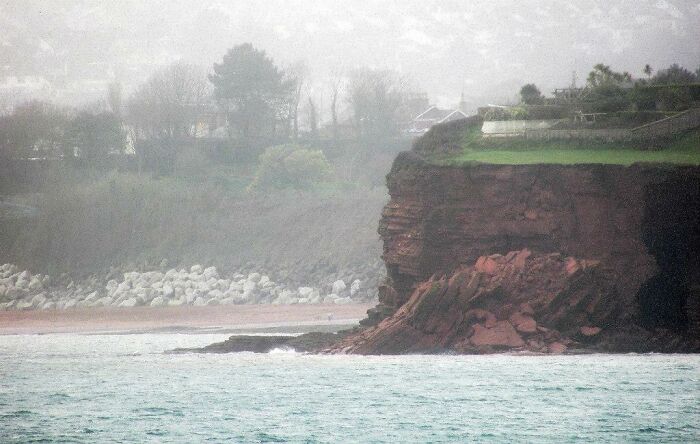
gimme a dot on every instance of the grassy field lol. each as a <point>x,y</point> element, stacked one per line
<point>683,150</point>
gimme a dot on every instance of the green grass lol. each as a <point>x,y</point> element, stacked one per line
<point>683,150</point>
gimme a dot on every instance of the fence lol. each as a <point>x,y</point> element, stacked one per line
<point>661,128</point>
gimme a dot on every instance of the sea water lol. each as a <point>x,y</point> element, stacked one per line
<point>123,388</point>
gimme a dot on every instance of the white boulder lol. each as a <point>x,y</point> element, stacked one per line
<point>355,287</point>
<point>210,272</point>
<point>305,292</point>
<point>315,297</point>
<point>338,286</point>
<point>216,294</point>
<point>249,286</point>
<point>24,305</point>
<point>35,283</point>
<point>92,297</point>
<point>178,302</point>
<point>124,286</point>
<point>21,283</point>
<point>38,300</point>
<point>131,302</point>
<point>102,302</point>
<point>330,299</point>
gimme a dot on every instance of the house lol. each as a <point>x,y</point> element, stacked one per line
<point>433,116</point>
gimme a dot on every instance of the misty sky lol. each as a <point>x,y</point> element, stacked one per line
<point>487,49</point>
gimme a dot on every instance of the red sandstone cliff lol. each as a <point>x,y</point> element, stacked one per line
<point>639,225</point>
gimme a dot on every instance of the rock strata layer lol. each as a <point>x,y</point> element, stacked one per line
<point>541,303</point>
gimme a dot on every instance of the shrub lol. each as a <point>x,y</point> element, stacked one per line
<point>191,162</point>
<point>291,166</point>
<point>674,99</point>
<point>511,113</point>
<point>446,137</point>
<point>608,98</point>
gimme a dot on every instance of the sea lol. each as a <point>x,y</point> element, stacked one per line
<point>123,388</point>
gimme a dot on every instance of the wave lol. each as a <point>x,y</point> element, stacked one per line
<point>283,351</point>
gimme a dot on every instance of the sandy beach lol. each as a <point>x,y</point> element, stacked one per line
<point>222,318</point>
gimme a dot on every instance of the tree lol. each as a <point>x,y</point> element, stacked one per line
<point>648,70</point>
<point>531,95</point>
<point>606,89</point>
<point>602,75</point>
<point>114,97</point>
<point>313,119</point>
<point>337,86</point>
<point>34,129</point>
<point>674,75</point>
<point>165,110</point>
<point>375,97</point>
<point>296,77</point>
<point>96,136</point>
<point>169,104</point>
<point>251,89</point>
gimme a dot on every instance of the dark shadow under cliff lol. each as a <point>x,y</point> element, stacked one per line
<point>671,233</point>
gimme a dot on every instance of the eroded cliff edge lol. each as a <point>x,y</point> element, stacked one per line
<point>541,258</point>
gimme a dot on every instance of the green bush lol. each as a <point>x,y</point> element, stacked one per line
<point>291,166</point>
<point>191,162</point>
<point>511,113</point>
<point>675,99</point>
<point>447,137</point>
<point>608,98</point>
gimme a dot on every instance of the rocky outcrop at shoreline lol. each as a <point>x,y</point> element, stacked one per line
<point>313,342</point>
<point>195,286</point>
<point>524,302</point>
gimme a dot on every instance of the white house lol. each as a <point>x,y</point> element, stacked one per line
<point>433,116</point>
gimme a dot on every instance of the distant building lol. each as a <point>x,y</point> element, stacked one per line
<point>433,116</point>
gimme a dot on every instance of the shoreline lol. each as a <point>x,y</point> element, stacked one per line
<point>209,319</point>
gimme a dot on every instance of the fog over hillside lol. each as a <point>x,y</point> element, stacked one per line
<point>72,49</point>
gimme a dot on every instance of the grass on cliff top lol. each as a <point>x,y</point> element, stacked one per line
<point>684,149</point>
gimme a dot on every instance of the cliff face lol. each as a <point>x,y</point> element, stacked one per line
<point>639,225</point>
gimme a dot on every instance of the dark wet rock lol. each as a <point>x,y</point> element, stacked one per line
<point>306,343</point>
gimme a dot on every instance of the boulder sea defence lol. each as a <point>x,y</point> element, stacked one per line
<point>187,286</point>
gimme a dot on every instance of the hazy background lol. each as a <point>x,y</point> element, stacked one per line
<point>487,49</point>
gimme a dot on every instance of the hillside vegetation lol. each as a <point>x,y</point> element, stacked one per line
<point>123,219</point>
